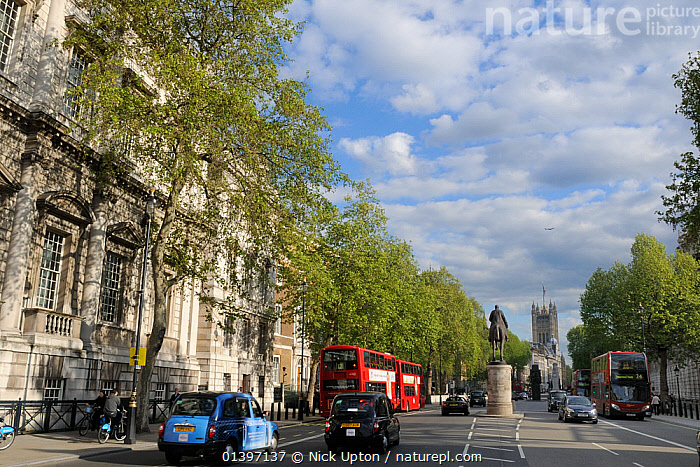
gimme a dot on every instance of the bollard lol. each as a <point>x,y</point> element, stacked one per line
<point>279,411</point>
<point>272,411</point>
<point>286,412</point>
<point>73,410</point>
<point>294,412</point>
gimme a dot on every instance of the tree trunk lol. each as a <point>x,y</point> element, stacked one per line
<point>429,384</point>
<point>160,289</point>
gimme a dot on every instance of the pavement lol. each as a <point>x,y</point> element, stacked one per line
<point>55,447</point>
<point>63,446</point>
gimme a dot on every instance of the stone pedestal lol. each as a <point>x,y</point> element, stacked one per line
<point>499,389</point>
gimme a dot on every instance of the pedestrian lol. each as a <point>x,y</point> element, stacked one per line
<point>174,398</point>
<point>317,402</point>
<point>655,405</point>
<point>98,406</point>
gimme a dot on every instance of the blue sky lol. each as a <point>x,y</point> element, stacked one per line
<point>481,124</point>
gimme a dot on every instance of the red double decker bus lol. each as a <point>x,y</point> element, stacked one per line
<point>410,378</point>
<point>581,383</point>
<point>350,368</point>
<point>620,384</point>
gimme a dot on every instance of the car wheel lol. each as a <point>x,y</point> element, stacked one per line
<point>173,457</point>
<point>273,443</point>
<point>595,422</point>
<point>398,439</point>
<point>383,444</point>
<point>444,413</point>
<point>566,419</point>
<point>559,416</point>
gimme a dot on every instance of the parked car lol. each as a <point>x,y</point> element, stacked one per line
<point>577,408</point>
<point>362,420</point>
<point>477,398</point>
<point>455,404</point>
<point>554,398</point>
<point>209,424</point>
<point>523,396</point>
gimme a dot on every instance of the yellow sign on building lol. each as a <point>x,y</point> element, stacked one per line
<point>142,356</point>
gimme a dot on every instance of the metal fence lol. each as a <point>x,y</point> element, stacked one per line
<point>62,415</point>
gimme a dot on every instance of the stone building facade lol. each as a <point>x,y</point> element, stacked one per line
<point>70,251</point>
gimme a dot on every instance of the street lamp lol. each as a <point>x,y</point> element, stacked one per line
<point>641,311</point>
<point>150,208</point>
<point>304,286</point>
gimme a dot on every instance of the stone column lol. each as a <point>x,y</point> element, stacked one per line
<point>90,303</point>
<point>499,389</point>
<point>44,97</point>
<point>18,249</point>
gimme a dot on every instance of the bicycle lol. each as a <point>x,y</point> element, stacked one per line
<point>88,422</point>
<point>7,435</point>
<point>105,429</point>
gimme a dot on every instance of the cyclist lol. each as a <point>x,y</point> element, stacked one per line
<point>113,408</point>
<point>98,407</point>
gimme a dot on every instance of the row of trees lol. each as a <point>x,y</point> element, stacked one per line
<point>187,97</point>
<point>365,288</point>
<point>651,304</point>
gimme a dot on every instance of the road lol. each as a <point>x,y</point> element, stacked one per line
<point>536,439</point>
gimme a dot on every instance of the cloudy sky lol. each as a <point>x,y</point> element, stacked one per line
<point>516,143</point>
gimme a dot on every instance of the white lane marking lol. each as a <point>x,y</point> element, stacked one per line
<point>522,454</point>
<point>498,460</point>
<point>300,440</point>
<point>601,447</point>
<point>517,436</point>
<point>491,447</point>
<point>650,436</point>
<point>638,465</point>
<point>470,435</point>
<point>466,448</point>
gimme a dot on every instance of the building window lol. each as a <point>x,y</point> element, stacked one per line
<point>75,70</point>
<point>160,392</point>
<point>111,287</point>
<point>276,369</point>
<point>278,321</point>
<point>227,381</point>
<point>50,272</point>
<point>108,387</point>
<point>53,389</point>
<point>228,332</point>
<point>261,387</point>
<point>8,25</point>
<point>262,338</point>
<point>245,335</point>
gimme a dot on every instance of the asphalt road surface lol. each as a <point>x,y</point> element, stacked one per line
<point>429,439</point>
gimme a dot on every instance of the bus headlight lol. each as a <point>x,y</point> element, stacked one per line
<point>646,407</point>
<point>615,406</point>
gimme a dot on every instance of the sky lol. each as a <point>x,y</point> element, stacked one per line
<point>520,144</point>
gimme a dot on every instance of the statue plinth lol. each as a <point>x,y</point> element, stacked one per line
<point>499,389</point>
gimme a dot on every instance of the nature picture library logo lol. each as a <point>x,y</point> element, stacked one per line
<point>552,18</point>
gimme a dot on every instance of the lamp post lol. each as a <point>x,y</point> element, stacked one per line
<point>304,285</point>
<point>150,208</point>
<point>641,311</point>
<point>677,371</point>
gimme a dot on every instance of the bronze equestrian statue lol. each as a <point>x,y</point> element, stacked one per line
<point>498,332</point>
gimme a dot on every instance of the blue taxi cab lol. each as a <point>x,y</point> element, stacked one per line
<point>216,425</point>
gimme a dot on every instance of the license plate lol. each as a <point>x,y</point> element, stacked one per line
<point>453,405</point>
<point>182,438</point>
<point>350,432</point>
<point>582,415</point>
<point>350,425</point>
<point>631,414</point>
<point>184,429</point>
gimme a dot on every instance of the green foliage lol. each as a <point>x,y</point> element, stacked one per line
<point>682,205</point>
<point>185,96</point>
<point>652,303</point>
<point>517,352</point>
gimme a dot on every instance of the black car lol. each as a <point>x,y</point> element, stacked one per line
<point>362,420</point>
<point>554,398</point>
<point>455,404</point>
<point>477,398</point>
<point>577,408</point>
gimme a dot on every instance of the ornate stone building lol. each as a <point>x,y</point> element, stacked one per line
<point>70,252</point>
<point>545,346</point>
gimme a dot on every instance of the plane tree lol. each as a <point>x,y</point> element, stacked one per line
<point>186,97</point>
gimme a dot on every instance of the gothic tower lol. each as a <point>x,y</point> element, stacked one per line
<point>545,323</point>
